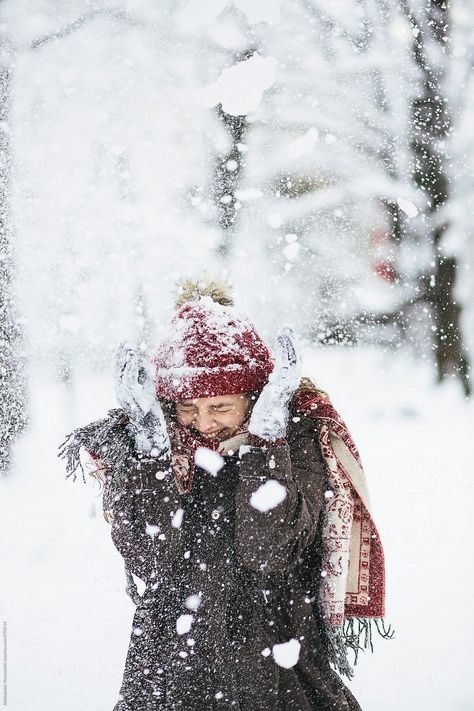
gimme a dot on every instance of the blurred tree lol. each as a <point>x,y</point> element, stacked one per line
<point>431,132</point>
<point>334,217</point>
<point>13,408</point>
<point>225,181</point>
<point>229,161</point>
<point>459,87</point>
<point>67,307</point>
<point>103,99</point>
<point>13,399</point>
<point>327,165</point>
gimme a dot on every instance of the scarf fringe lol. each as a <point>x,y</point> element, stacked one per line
<point>355,634</point>
<point>108,439</point>
<point>337,651</point>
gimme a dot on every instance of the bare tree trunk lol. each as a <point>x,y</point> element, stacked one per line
<point>226,178</point>
<point>431,125</point>
<point>449,350</point>
<point>12,383</point>
<point>228,170</point>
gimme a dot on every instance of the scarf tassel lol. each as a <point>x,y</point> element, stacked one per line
<point>356,634</point>
<point>107,438</point>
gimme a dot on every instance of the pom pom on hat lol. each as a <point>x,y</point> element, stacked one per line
<point>210,349</point>
<point>191,290</point>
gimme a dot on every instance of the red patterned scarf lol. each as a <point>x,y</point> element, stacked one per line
<point>353,558</point>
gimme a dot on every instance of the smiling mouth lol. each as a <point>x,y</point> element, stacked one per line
<point>214,435</point>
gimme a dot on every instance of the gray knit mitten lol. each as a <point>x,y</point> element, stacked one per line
<point>135,391</point>
<point>270,413</point>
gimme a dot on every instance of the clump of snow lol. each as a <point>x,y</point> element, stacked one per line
<point>177,519</point>
<point>192,602</point>
<point>209,460</point>
<point>152,530</point>
<point>408,207</point>
<point>268,496</point>
<point>303,145</point>
<point>240,88</point>
<point>454,241</point>
<point>291,251</point>
<point>286,654</point>
<point>183,624</point>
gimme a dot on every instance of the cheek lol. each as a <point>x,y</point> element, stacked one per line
<point>232,419</point>
<point>226,420</point>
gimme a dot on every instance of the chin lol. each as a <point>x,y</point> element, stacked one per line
<point>215,435</point>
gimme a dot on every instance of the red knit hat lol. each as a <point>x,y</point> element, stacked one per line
<point>210,350</point>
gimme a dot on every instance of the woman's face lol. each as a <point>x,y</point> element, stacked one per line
<point>215,417</point>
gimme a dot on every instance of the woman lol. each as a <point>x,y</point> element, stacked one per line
<point>236,494</point>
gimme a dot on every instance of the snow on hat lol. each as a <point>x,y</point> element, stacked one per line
<point>209,349</point>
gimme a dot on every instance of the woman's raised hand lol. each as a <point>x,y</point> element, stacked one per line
<point>270,413</point>
<point>135,391</point>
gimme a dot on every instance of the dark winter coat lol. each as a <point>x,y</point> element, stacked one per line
<point>254,573</point>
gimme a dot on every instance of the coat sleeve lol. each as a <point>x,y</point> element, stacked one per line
<point>144,509</point>
<point>272,541</point>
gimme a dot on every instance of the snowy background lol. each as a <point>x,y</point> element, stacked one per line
<point>270,144</point>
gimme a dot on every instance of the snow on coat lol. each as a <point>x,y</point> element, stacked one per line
<point>229,616</point>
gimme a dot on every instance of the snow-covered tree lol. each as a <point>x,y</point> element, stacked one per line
<point>268,141</point>
<point>458,239</point>
<point>12,381</point>
<point>110,144</point>
<point>326,152</point>
<point>330,207</point>
<point>431,133</point>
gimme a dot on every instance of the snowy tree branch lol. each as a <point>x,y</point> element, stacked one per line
<point>116,13</point>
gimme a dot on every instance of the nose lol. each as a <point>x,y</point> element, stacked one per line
<point>204,423</point>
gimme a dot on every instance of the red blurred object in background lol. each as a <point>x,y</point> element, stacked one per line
<point>382,259</point>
